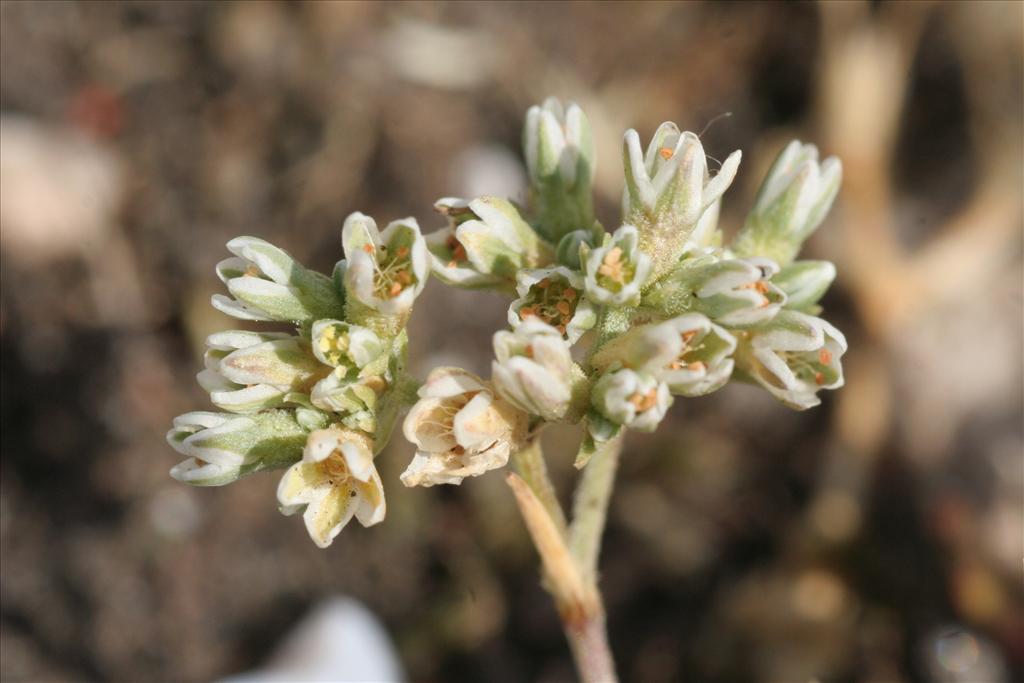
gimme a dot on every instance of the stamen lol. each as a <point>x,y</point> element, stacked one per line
<point>666,153</point>
<point>819,378</point>
<point>368,248</point>
<point>644,402</point>
<point>825,356</point>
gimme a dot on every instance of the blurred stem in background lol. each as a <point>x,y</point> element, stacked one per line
<point>569,553</point>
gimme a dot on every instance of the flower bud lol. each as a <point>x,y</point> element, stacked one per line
<point>617,269</point>
<point>460,429</point>
<point>221,447</point>
<point>248,371</point>
<point>533,370</point>
<point>732,292</point>
<point>268,284</point>
<point>631,399</point>
<point>567,253</point>
<point>554,296</point>
<point>804,283</point>
<point>335,481</point>
<point>793,357</point>
<point>668,190</point>
<point>353,397</point>
<point>386,270</point>
<point>485,244</point>
<point>560,158</point>
<point>792,202</point>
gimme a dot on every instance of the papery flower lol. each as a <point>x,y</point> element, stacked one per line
<point>249,371</point>
<point>334,481</point>
<point>485,244</point>
<point>793,200</point>
<point>221,447</point>
<point>631,399</point>
<point>617,269</point>
<point>732,292</point>
<point>668,189</point>
<point>386,270</point>
<point>460,428</point>
<point>804,283</point>
<point>268,284</point>
<point>533,370</point>
<point>794,357</point>
<point>560,161</point>
<point>554,296</point>
<point>340,344</point>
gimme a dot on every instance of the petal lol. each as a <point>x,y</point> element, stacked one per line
<point>328,512</point>
<point>371,507</point>
<point>297,486</point>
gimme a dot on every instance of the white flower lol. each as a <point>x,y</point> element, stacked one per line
<point>553,296</point>
<point>794,357</point>
<point>221,447</point>
<point>334,481</point>
<point>792,202</point>
<point>351,396</point>
<point>485,244</point>
<point>617,270</point>
<point>689,353</point>
<point>386,270</point>
<point>672,180</point>
<point>249,371</point>
<point>268,284</point>
<point>340,344</point>
<point>533,369</point>
<point>732,292</point>
<point>460,429</point>
<point>632,399</point>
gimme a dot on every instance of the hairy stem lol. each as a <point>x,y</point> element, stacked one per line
<point>590,508</point>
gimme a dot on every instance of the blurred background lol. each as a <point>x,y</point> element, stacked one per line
<point>877,538</point>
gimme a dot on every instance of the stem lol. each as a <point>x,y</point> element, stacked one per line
<point>590,509</point>
<point>532,467</point>
<point>588,640</point>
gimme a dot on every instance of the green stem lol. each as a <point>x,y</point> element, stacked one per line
<point>590,507</point>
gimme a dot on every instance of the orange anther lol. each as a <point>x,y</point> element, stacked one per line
<point>825,356</point>
<point>819,378</point>
<point>666,153</point>
<point>368,248</point>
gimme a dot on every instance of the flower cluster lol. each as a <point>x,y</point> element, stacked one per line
<point>606,327</point>
<point>321,400</point>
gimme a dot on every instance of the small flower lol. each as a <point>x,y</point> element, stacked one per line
<point>334,481</point>
<point>351,396</point>
<point>668,190</point>
<point>341,344</point>
<point>632,399</point>
<point>460,429</point>
<point>221,447</point>
<point>248,371</point>
<point>268,284</point>
<point>794,357</point>
<point>732,292</point>
<point>386,270</point>
<point>792,202</point>
<point>485,244</point>
<point>533,369</point>
<point>804,283</point>
<point>689,353</point>
<point>553,296</point>
<point>617,270</point>
<point>560,161</point>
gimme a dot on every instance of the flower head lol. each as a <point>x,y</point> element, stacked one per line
<point>792,202</point>
<point>554,296</point>
<point>460,429</point>
<point>221,447</point>
<point>617,269</point>
<point>386,270</point>
<point>485,244</point>
<point>533,369</point>
<point>334,481</point>
<point>794,357</point>
<point>631,399</point>
<point>268,284</point>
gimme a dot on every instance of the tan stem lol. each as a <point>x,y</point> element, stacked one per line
<point>590,508</point>
<point>532,467</point>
